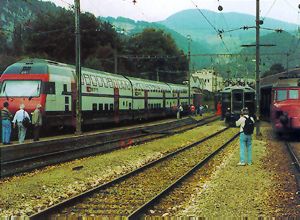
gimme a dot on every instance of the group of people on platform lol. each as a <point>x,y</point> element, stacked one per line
<point>192,109</point>
<point>21,120</point>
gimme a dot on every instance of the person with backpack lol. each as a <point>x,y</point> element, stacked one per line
<point>20,118</point>
<point>246,124</point>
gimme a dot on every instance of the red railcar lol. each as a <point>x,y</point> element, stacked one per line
<point>280,100</point>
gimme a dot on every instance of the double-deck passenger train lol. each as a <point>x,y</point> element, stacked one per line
<point>106,97</point>
<point>234,99</point>
<point>280,100</point>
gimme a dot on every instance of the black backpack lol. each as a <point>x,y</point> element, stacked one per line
<point>249,126</point>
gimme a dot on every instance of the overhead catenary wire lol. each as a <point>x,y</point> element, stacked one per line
<point>269,10</point>
<point>209,22</point>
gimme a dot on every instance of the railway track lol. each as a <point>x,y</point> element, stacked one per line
<point>41,159</point>
<point>132,194</point>
<point>296,162</point>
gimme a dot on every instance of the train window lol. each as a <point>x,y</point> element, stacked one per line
<point>87,79</point>
<point>106,107</point>
<point>100,81</point>
<point>116,83</point>
<point>237,97</point>
<point>94,80</point>
<point>25,70</point>
<point>94,107</point>
<point>49,88</point>
<point>127,85</point>
<point>226,97</point>
<point>66,100</point>
<point>20,88</point>
<point>105,83</point>
<point>111,107</point>
<point>123,103</point>
<point>129,105</point>
<point>249,96</point>
<point>293,94</point>
<point>120,84</point>
<point>65,88</point>
<point>281,95</point>
<point>110,83</point>
<point>100,107</point>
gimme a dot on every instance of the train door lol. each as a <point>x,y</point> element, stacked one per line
<point>265,102</point>
<point>226,102</point>
<point>73,105</point>
<point>237,100</point>
<point>146,103</point>
<point>116,105</point>
<point>164,100</point>
<point>178,98</point>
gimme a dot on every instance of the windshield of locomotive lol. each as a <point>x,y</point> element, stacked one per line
<point>18,88</point>
<point>287,94</point>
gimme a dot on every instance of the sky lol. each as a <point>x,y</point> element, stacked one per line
<point>157,10</point>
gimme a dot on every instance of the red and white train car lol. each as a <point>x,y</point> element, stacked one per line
<point>280,100</point>
<point>106,97</point>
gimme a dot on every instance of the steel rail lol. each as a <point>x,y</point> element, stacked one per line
<point>138,212</point>
<point>295,160</point>
<point>164,133</point>
<point>44,213</point>
<point>293,155</point>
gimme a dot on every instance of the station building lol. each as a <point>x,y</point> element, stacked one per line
<point>209,80</point>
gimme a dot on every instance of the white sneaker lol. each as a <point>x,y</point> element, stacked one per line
<point>241,164</point>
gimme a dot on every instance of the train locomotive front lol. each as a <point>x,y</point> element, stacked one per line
<point>285,104</point>
<point>234,99</point>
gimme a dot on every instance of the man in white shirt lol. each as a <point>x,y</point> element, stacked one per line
<point>18,119</point>
<point>245,136</point>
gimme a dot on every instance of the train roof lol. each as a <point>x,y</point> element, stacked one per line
<point>231,88</point>
<point>147,84</point>
<point>38,66</point>
<point>287,82</point>
<point>285,77</point>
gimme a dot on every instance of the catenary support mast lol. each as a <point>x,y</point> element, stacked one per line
<point>257,70</point>
<point>78,66</point>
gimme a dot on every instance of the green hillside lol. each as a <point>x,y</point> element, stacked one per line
<point>16,12</point>
<point>193,23</point>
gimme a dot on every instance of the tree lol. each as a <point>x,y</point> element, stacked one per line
<point>17,40</point>
<point>53,37</point>
<point>275,68</point>
<point>3,42</point>
<point>163,55</point>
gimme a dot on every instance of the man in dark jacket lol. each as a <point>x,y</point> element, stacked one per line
<point>245,138</point>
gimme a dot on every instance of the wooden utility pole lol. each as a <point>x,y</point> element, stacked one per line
<point>257,70</point>
<point>78,66</point>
